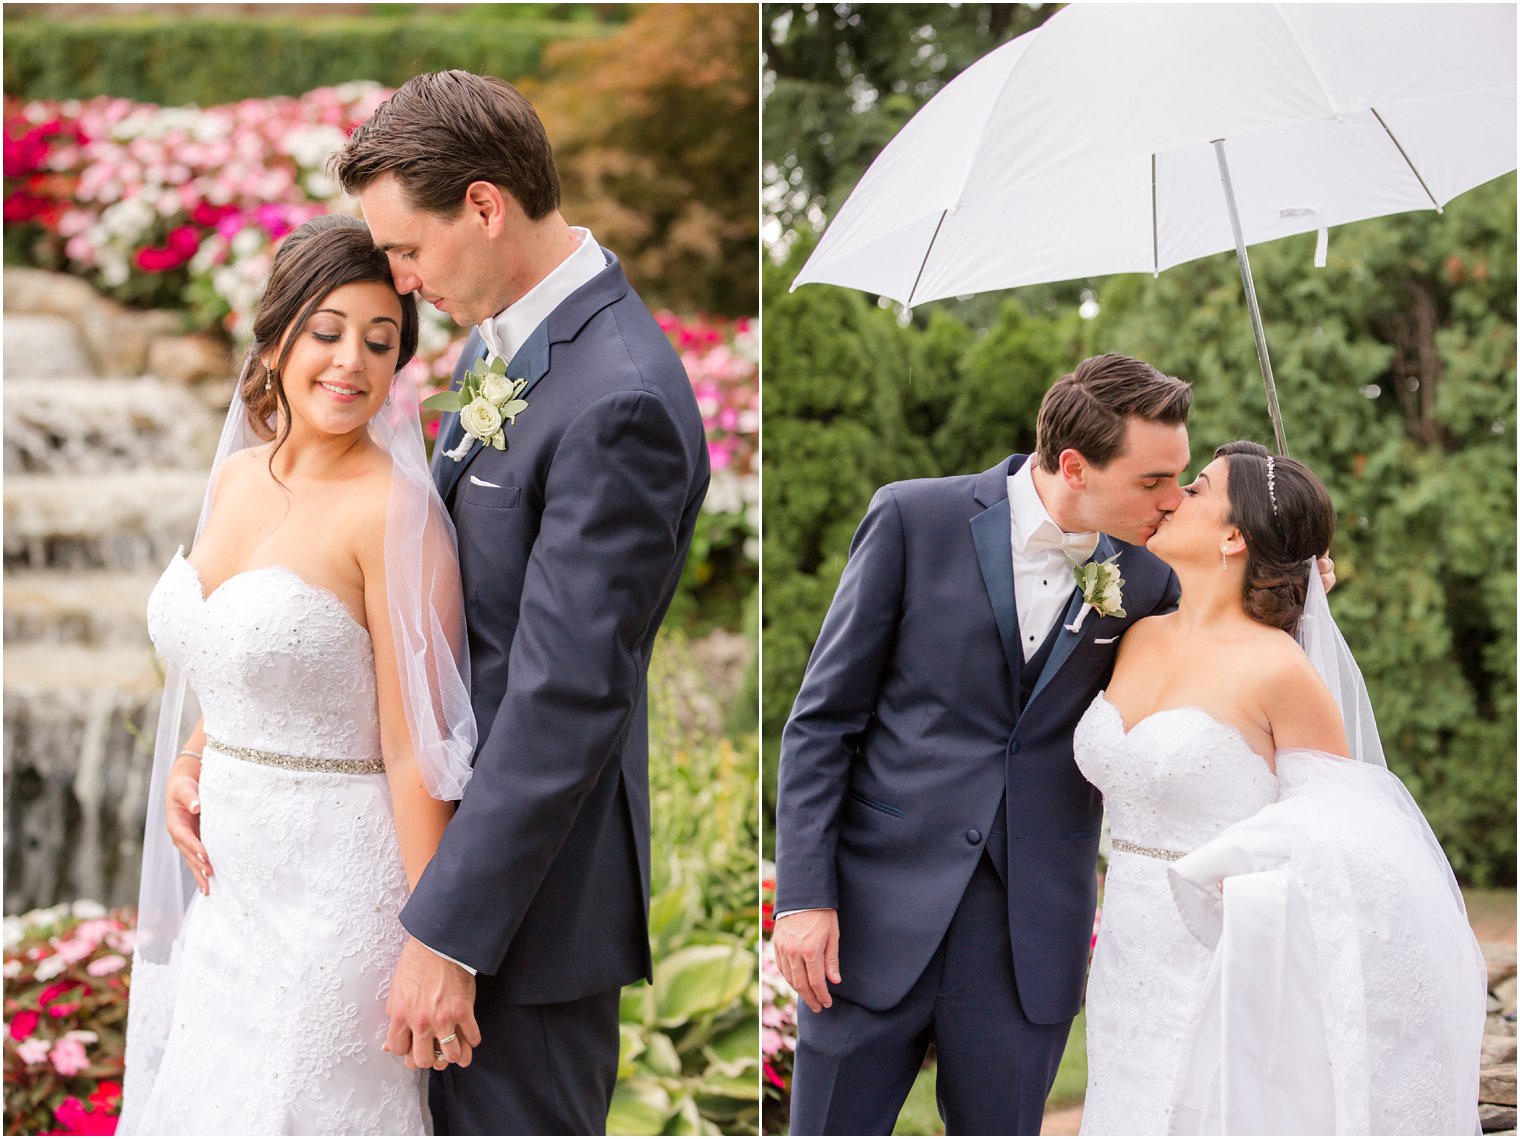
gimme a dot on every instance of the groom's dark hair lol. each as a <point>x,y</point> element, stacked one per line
<point>1088,409</point>
<point>443,130</point>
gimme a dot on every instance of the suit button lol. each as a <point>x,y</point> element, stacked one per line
<point>1013,747</point>
<point>973,836</point>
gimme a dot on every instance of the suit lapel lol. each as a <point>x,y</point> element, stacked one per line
<point>530,363</point>
<point>1067,641</point>
<point>991,531</point>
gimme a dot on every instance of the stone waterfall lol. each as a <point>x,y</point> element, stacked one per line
<point>110,422</point>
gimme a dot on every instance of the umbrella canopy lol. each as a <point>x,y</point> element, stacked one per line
<point>1086,147</point>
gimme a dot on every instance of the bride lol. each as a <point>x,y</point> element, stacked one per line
<point>318,622</point>
<point>1283,948</point>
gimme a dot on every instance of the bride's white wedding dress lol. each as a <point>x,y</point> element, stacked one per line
<point>1277,954</point>
<point>278,1006</point>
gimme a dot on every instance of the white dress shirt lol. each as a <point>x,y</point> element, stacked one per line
<point>505,332</point>
<point>1043,557</point>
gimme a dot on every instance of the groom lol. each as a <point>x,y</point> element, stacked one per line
<point>936,844</point>
<point>571,542</point>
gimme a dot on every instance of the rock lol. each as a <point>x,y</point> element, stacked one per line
<point>1497,1085</point>
<point>1494,1118</point>
<point>38,292</point>
<point>1500,959</point>
<point>190,358</point>
<point>120,337</point>
<point>44,347</point>
<point>1497,1049</point>
<point>1504,991</point>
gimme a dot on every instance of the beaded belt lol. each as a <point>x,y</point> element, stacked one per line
<point>300,762</point>
<point>1147,851</point>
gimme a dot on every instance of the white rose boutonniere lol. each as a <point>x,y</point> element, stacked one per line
<point>486,402</point>
<point>1102,591</point>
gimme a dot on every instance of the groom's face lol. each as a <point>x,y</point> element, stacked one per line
<point>1141,485</point>
<point>450,262</point>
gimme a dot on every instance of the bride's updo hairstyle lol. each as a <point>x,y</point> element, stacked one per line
<point>317,257</point>
<point>1286,523</point>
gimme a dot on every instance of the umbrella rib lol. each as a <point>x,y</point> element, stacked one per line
<point>1155,234</point>
<point>1405,156</point>
<point>928,250</point>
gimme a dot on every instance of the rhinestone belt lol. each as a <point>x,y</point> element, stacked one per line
<point>1147,851</point>
<point>300,762</point>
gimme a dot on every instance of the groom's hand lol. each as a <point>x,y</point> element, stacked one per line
<point>1326,571</point>
<point>430,1000</point>
<point>807,952</point>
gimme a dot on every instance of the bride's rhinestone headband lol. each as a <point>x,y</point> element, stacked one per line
<point>1272,484</point>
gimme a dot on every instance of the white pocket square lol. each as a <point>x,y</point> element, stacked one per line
<point>1096,640</point>
<point>482,482</point>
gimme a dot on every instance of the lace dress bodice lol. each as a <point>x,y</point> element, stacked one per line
<point>1174,780</point>
<point>277,664</point>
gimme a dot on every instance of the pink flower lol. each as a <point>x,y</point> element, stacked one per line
<point>107,964</point>
<point>23,1024</point>
<point>68,1056</point>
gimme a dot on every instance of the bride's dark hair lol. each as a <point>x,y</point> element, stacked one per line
<point>1285,525</point>
<point>322,254</point>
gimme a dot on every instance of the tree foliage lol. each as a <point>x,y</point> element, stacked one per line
<point>654,132</point>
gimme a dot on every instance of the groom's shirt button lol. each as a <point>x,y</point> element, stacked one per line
<point>973,836</point>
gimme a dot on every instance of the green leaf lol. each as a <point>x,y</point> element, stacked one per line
<point>630,1045</point>
<point>513,408</point>
<point>699,979</point>
<point>639,1107</point>
<point>660,1055</point>
<point>735,1051</point>
<point>444,401</point>
<point>499,366</point>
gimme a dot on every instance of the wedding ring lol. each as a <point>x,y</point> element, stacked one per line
<point>449,1039</point>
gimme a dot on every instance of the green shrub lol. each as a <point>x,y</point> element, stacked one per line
<point>211,60</point>
<point>689,1063</point>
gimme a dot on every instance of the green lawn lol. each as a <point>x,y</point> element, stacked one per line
<point>920,1116</point>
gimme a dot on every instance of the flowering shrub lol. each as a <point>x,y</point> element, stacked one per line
<point>174,206</point>
<point>66,983</point>
<point>778,1019</point>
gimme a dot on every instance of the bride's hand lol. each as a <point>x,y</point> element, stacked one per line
<point>183,812</point>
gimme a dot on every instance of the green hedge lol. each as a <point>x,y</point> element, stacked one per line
<point>208,61</point>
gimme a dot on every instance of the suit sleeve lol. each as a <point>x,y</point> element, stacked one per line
<point>606,556</point>
<point>834,708</point>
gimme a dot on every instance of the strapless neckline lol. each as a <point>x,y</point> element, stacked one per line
<point>1103,700</point>
<point>325,594</point>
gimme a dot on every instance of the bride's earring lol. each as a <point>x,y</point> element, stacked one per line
<point>1224,558</point>
<point>269,376</point>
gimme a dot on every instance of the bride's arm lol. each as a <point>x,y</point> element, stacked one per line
<point>420,818</point>
<point>1300,711</point>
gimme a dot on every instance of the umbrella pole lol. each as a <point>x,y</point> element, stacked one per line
<point>1245,275</point>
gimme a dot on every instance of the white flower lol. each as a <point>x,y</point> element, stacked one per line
<point>87,908</point>
<point>50,967</point>
<point>481,418</point>
<point>497,389</point>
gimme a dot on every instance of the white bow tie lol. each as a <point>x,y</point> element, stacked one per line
<point>1077,547</point>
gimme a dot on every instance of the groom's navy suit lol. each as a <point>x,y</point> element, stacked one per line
<point>928,793</point>
<point>571,543</point>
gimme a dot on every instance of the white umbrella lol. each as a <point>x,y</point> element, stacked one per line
<point>1121,138</point>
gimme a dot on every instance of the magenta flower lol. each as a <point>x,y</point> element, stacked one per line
<point>23,1024</point>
